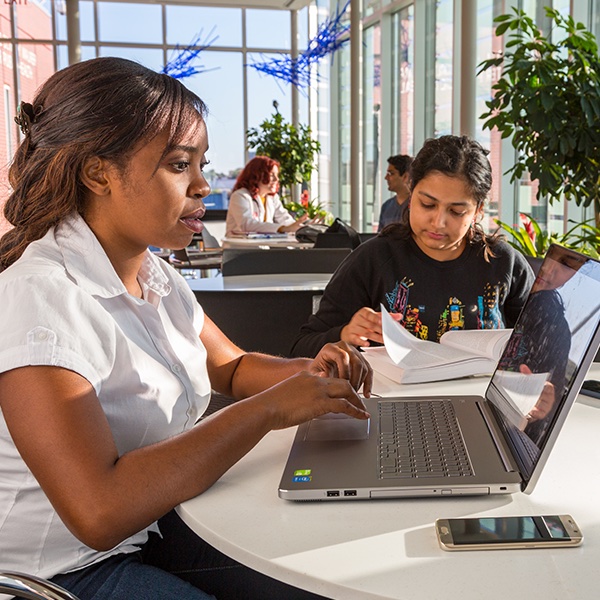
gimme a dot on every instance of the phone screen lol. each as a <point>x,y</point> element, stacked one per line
<point>507,529</point>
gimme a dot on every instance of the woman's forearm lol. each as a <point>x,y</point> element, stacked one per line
<point>258,372</point>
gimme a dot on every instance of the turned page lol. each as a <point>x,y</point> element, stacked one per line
<point>486,342</point>
<point>408,351</point>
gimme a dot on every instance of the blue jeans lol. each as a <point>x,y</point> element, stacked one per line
<point>175,567</point>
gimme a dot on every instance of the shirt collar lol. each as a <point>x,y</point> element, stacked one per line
<point>87,263</point>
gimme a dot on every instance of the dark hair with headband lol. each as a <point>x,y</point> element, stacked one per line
<point>105,107</point>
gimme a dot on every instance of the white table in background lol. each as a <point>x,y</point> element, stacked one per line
<point>386,549</point>
<point>289,241</point>
<point>278,282</point>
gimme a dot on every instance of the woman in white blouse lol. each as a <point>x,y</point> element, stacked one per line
<point>107,361</point>
<point>255,205</point>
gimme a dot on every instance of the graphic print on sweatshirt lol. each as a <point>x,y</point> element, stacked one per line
<point>486,313</point>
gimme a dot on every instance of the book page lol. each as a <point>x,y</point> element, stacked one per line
<point>382,364</point>
<point>408,352</point>
<point>486,342</point>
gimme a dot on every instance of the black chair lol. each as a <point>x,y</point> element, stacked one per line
<point>267,321</point>
<point>245,261</point>
<point>259,320</point>
<point>23,585</point>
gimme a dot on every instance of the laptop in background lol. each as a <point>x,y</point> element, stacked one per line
<point>466,445</point>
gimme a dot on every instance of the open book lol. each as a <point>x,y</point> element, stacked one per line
<point>460,353</point>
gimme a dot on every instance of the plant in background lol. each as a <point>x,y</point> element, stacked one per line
<point>293,147</point>
<point>530,240</point>
<point>548,100</point>
<point>312,208</point>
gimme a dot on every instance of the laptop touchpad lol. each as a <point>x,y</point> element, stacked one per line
<point>337,427</point>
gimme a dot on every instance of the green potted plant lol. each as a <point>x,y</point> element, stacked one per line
<point>313,209</point>
<point>293,147</point>
<point>548,101</point>
<point>532,241</point>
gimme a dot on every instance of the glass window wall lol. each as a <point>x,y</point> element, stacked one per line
<point>444,55</point>
<point>403,81</point>
<point>32,19</point>
<point>397,35</point>
<point>137,31</point>
<point>372,126</point>
<point>86,21</point>
<point>220,26</point>
<point>117,23</point>
<point>269,29</point>
<point>225,121</point>
<point>344,127</point>
<point>263,90</point>
<point>488,46</point>
<point>552,217</point>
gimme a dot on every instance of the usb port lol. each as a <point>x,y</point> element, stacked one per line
<point>332,493</point>
<point>349,492</point>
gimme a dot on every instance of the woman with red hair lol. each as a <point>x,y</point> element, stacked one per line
<point>255,204</point>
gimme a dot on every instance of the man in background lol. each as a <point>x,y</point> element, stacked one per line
<point>397,177</point>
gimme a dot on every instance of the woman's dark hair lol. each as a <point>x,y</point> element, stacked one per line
<point>103,108</point>
<point>256,172</point>
<point>455,156</point>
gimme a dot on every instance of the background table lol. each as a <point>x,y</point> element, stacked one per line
<point>277,282</point>
<point>289,241</point>
<point>387,548</point>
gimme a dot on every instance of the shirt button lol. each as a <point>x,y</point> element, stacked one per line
<point>42,336</point>
<point>176,368</point>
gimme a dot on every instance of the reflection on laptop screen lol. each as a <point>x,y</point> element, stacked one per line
<point>545,351</point>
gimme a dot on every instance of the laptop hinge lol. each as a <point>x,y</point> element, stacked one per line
<point>485,413</point>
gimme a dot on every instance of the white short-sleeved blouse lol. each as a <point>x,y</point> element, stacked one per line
<point>64,305</point>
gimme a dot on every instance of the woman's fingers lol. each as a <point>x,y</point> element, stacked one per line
<point>304,397</point>
<point>343,361</point>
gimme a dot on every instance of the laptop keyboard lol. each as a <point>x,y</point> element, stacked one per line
<point>420,439</point>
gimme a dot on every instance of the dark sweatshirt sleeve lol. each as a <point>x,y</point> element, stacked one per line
<point>348,290</point>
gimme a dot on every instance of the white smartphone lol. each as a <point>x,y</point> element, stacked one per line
<point>504,533</point>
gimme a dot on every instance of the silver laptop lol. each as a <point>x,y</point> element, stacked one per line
<point>453,445</point>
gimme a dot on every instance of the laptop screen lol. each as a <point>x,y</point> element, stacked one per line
<point>535,375</point>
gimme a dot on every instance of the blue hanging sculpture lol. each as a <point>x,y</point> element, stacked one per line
<point>180,66</point>
<point>297,70</point>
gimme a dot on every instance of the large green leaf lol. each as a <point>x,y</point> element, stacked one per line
<point>547,101</point>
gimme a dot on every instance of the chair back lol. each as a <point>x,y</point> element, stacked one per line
<point>245,261</point>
